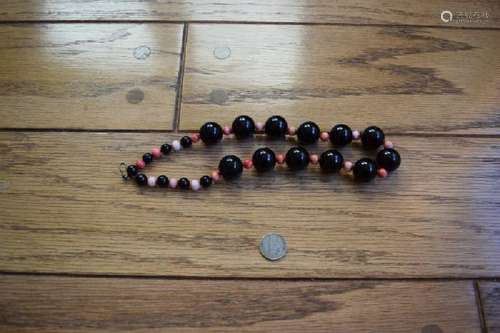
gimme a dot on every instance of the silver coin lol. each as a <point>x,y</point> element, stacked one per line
<point>273,247</point>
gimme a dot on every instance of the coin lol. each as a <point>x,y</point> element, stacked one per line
<point>273,247</point>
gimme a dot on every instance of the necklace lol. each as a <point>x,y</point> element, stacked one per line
<point>265,159</point>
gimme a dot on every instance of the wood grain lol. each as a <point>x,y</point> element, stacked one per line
<point>482,13</point>
<point>91,76</point>
<point>490,300</point>
<point>403,79</point>
<point>65,209</point>
<point>56,304</point>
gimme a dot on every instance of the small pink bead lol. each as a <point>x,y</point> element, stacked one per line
<point>280,158</point>
<point>247,164</point>
<point>140,164</point>
<point>388,144</point>
<point>195,185</point>
<point>324,136</point>
<point>259,126</point>
<point>314,159</point>
<point>355,135</point>
<point>195,137</point>
<point>151,181</point>
<point>347,165</point>
<point>291,130</point>
<point>156,152</point>
<point>172,183</point>
<point>382,172</point>
<point>227,130</point>
<point>215,175</point>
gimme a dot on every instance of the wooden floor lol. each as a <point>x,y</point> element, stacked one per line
<point>86,85</point>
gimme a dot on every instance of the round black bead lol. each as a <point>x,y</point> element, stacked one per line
<point>372,137</point>
<point>132,170</point>
<point>166,148</point>
<point>230,167</point>
<point>340,135</point>
<point>162,181</point>
<point>243,127</point>
<point>388,159</point>
<point>331,161</point>
<point>210,133</point>
<point>141,179</point>
<point>263,159</point>
<point>308,132</point>
<point>147,158</point>
<point>364,170</point>
<point>297,158</point>
<point>183,183</point>
<point>206,181</point>
<point>186,142</point>
<point>276,127</point>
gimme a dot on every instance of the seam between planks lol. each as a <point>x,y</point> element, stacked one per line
<point>142,21</point>
<point>480,307</point>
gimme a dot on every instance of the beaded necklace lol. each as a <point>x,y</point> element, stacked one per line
<point>265,159</point>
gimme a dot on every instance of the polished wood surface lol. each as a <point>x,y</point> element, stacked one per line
<point>60,304</point>
<point>479,14</point>
<point>61,192</point>
<point>490,300</point>
<point>403,79</point>
<point>89,76</point>
<point>88,84</point>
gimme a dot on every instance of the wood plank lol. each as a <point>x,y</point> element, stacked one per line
<point>57,304</point>
<point>91,76</point>
<point>483,13</point>
<point>404,79</point>
<point>490,300</point>
<point>65,209</point>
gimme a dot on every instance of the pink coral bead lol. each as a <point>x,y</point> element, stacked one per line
<point>292,130</point>
<point>195,137</point>
<point>388,144</point>
<point>382,172</point>
<point>347,165</point>
<point>324,136</point>
<point>215,175</point>
<point>314,159</point>
<point>140,164</point>
<point>247,164</point>
<point>156,152</point>
<point>280,158</point>
<point>172,183</point>
<point>227,130</point>
<point>355,135</point>
<point>259,126</point>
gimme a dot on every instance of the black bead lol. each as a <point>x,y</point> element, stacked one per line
<point>147,158</point>
<point>210,133</point>
<point>206,181</point>
<point>388,159</point>
<point>331,161</point>
<point>340,135</point>
<point>372,137</point>
<point>132,170</point>
<point>230,167</point>
<point>364,170</point>
<point>166,149</point>
<point>141,179</point>
<point>297,158</point>
<point>162,181</point>
<point>308,132</point>
<point>183,183</point>
<point>276,127</point>
<point>243,127</point>
<point>186,142</point>
<point>263,159</point>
